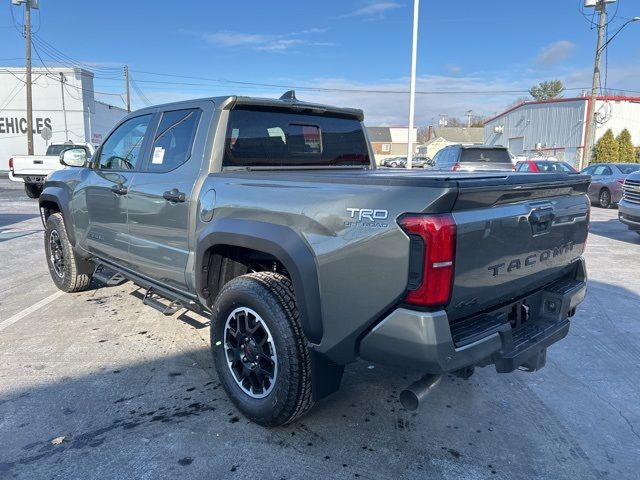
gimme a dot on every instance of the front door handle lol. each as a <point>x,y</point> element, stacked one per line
<point>174,195</point>
<point>119,189</point>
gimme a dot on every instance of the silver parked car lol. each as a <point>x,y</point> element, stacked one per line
<point>606,181</point>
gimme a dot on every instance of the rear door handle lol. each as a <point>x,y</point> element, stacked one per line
<point>174,195</point>
<point>119,189</point>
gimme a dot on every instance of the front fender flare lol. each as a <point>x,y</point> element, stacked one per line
<point>279,241</point>
<point>60,198</point>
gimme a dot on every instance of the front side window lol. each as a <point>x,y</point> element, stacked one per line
<point>602,170</point>
<point>174,139</point>
<point>277,138</point>
<point>121,151</point>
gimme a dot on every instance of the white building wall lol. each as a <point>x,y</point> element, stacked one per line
<point>401,135</point>
<point>618,115</point>
<point>103,118</point>
<point>47,109</point>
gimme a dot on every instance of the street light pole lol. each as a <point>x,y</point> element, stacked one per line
<point>412,92</point>
<point>27,36</point>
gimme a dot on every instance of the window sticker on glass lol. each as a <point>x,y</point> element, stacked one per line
<point>158,155</point>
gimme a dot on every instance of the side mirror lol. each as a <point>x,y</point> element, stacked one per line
<point>74,157</point>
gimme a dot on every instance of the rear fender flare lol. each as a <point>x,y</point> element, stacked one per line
<point>279,241</point>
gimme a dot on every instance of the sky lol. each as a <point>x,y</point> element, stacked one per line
<point>353,53</point>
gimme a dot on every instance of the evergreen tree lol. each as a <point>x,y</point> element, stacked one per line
<point>626,152</point>
<point>606,149</point>
<point>547,90</point>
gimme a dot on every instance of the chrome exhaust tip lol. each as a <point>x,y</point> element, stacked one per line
<point>414,394</point>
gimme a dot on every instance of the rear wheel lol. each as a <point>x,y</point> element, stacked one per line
<point>393,165</point>
<point>62,261</point>
<point>604,198</point>
<point>259,349</point>
<point>33,190</point>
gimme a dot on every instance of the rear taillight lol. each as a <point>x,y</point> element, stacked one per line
<point>11,164</point>
<point>456,167</point>
<point>437,236</point>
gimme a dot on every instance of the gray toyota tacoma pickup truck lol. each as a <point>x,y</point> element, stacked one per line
<point>269,217</point>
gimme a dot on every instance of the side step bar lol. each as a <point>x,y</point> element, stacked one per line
<point>155,293</point>
<point>109,277</point>
<point>153,299</point>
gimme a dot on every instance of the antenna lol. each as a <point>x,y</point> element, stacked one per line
<point>289,95</point>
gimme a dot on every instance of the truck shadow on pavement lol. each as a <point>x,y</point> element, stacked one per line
<point>7,219</point>
<point>167,415</point>
<point>613,229</point>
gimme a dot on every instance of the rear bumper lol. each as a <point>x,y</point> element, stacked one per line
<point>425,341</point>
<point>38,178</point>
<point>629,214</point>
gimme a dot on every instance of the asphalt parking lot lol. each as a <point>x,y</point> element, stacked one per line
<point>128,393</point>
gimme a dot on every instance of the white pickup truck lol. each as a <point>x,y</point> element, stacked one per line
<point>32,170</point>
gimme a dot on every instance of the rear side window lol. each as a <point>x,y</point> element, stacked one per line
<point>482,155</point>
<point>174,139</point>
<point>523,167</point>
<point>627,169</point>
<point>273,138</point>
<point>441,156</point>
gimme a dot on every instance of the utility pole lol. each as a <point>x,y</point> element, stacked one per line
<point>412,92</point>
<point>64,110</point>
<point>469,115</point>
<point>27,36</point>
<point>601,8</point>
<point>126,81</point>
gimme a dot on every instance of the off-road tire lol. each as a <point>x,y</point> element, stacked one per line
<point>71,280</point>
<point>604,198</point>
<point>271,296</point>
<point>33,190</point>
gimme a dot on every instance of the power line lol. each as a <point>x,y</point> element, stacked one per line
<point>57,55</point>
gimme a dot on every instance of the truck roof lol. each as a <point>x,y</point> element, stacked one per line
<point>285,102</point>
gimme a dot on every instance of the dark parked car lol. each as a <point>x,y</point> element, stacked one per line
<point>421,162</point>
<point>606,181</point>
<point>472,158</point>
<point>544,166</point>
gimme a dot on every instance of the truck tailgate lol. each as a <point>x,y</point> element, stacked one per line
<point>35,165</point>
<point>514,235</point>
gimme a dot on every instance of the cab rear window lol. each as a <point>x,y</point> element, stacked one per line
<point>276,138</point>
<point>482,155</point>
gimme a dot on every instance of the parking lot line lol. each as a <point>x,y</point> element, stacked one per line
<point>29,310</point>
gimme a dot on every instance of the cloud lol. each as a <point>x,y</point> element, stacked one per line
<point>554,52</point>
<point>453,69</point>
<point>373,10</point>
<point>263,42</point>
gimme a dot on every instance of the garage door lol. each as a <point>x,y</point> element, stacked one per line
<point>516,145</point>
